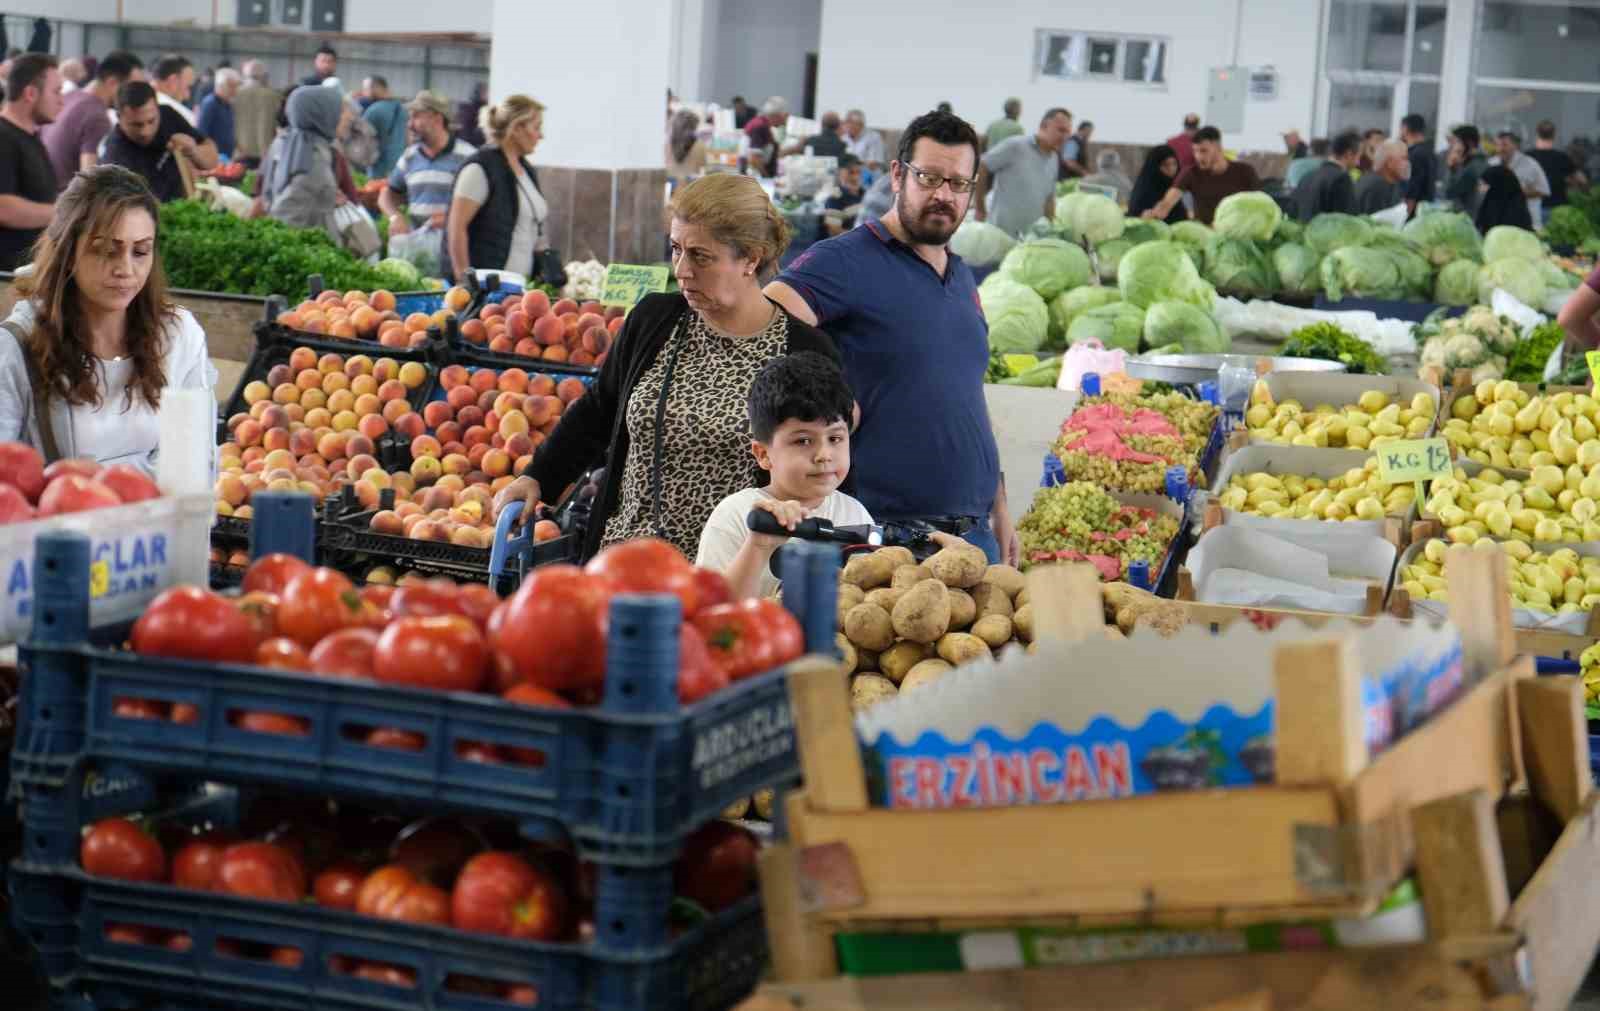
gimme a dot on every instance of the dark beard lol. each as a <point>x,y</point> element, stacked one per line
<point>921,232</point>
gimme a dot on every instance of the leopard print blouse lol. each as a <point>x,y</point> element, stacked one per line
<point>670,487</point>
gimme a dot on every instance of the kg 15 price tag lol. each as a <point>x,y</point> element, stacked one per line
<point>627,283</point>
<point>1414,460</point>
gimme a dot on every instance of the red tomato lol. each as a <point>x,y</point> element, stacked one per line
<point>479,751</point>
<point>718,865</point>
<point>647,565</point>
<point>180,942</point>
<point>391,737</point>
<point>698,675</point>
<point>436,596</point>
<point>189,623</point>
<point>711,589</point>
<point>261,871</point>
<point>271,573</point>
<point>139,709</point>
<point>552,630</point>
<point>117,848</point>
<point>478,603</point>
<point>394,893</point>
<point>273,723</point>
<point>289,958</point>
<point>786,640</point>
<point>523,994</point>
<point>346,653</point>
<point>196,864</point>
<point>388,975</point>
<point>380,596</point>
<point>185,713</point>
<point>282,653</point>
<point>338,886</point>
<point>316,603</point>
<point>261,608</point>
<point>445,652</point>
<point>500,893</point>
<point>528,694</point>
<point>129,933</point>
<point>738,644</point>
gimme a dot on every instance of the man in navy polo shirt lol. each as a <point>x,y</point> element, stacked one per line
<point>905,315</point>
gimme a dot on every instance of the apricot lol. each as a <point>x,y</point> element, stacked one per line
<point>257,391</point>
<point>457,299</point>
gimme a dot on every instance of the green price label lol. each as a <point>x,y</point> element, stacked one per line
<point>1593,358</point>
<point>627,283</point>
<point>1406,460</point>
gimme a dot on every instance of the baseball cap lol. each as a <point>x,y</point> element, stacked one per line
<point>430,101</point>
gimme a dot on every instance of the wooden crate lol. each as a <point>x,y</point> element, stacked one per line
<point>1225,857</point>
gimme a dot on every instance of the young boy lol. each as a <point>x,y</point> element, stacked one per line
<point>800,411</point>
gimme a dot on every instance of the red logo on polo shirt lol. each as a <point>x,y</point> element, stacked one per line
<point>979,303</point>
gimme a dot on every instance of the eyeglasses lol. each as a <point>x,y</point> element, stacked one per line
<point>931,181</point>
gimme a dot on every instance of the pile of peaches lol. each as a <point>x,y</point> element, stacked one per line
<point>357,315</point>
<point>533,328</point>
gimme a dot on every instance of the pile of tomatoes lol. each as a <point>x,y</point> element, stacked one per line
<point>545,645</point>
<point>475,876</point>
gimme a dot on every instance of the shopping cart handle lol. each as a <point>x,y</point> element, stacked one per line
<point>505,545</point>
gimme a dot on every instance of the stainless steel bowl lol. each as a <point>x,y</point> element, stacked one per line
<point>1191,369</point>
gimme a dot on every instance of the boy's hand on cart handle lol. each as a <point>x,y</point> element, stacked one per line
<point>525,490</point>
<point>789,514</point>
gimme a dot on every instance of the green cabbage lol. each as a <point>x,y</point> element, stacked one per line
<point>1360,273</point>
<point>1048,266</point>
<point>1518,278</point>
<point>1288,230</point>
<point>1457,283</point>
<point>1556,279</point>
<point>1191,233</point>
<point>1181,323</point>
<point>1239,267</point>
<point>1157,271</point>
<point>1508,242</point>
<point>980,243</point>
<point>1117,325</point>
<point>1018,320</point>
<point>1328,232</point>
<point>1108,254</point>
<point>1297,269</point>
<point>1444,236</point>
<point>1089,216</point>
<point>1137,230</point>
<point>1416,273</point>
<point>1248,215</point>
<point>399,274</point>
<point>1065,307</point>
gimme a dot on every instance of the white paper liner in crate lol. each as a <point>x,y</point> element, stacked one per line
<point>1246,568</point>
<point>1304,461</point>
<point>1576,623</point>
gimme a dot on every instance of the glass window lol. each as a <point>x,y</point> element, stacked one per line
<point>1424,101</point>
<point>1102,56</point>
<point>1360,107</point>
<point>1427,42</point>
<point>1539,41</point>
<point>1061,55</point>
<point>1575,113</point>
<point>1366,35</point>
<point>1145,61</point>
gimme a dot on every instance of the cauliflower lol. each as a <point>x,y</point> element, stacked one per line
<point>1433,354</point>
<point>1494,368</point>
<point>1463,350</point>
<point>585,279</point>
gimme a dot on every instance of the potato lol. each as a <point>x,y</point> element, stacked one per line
<point>991,599</point>
<point>885,597</point>
<point>850,595</point>
<point>1119,595</point>
<point>1113,632</point>
<point>868,571</point>
<point>1022,622</point>
<point>994,629</point>
<point>763,801</point>
<point>738,809</point>
<point>901,657</point>
<point>1007,578</point>
<point>1128,614</point>
<point>1021,599</point>
<point>959,647</point>
<point>867,690</point>
<point>897,556</point>
<point>1165,619</point>
<point>868,625</point>
<point>923,614</point>
<point>923,673</point>
<point>958,566</point>
<point>907,576</point>
<point>963,611</point>
<point>847,651</point>
<point>866,660</point>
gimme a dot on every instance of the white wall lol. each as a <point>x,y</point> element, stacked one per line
<point>386,16</point>
<point>391,16</point>
<point>760,47</point>
<point>973,56</point>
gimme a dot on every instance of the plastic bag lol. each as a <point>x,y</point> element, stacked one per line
<point>420,247</point>
<point>1088,356</point>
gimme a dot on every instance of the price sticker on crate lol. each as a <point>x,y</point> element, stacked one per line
<point>1593,358</point>
<point>1414,460</point>
<point>627,283</point>
<point>99,578</point>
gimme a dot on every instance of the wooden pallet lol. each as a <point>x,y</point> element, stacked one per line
<point>1226,856</point>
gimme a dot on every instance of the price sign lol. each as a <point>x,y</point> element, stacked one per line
<point>1414,460</point>
<point>627,283</point>
<point>99,578</point>
<point>1593,358</point>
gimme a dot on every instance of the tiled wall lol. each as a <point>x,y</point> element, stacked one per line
<point>581,222</point>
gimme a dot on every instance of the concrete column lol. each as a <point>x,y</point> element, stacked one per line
<point>601,68</point>
<point>1455,76</point>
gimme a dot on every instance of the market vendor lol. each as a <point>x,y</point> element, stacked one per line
<point>905,313</point>
<point>93,341</point>
<point>668,415</point>
<point>497,213</point>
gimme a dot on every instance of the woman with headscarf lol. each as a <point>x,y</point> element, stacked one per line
<point>1503,201</point>
<point>686,152</point>
<point>1155,178</point>
<point>299,185</point>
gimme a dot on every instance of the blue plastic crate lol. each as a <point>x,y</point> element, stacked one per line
<point>63,914</point>
<point>426,302</point>
<point>627,780</point>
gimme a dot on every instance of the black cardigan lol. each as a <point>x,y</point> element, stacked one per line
<point>593,430</point>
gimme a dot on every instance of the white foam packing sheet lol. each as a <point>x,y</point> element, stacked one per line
<point>1567,624</point>
<point>1304,461</point>
<point>1242,567</point>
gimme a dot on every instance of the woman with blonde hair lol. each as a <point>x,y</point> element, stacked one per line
<point>669,414</point>
<point>93,341</point>
<point>497,214</point>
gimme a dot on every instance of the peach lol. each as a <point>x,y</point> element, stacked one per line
<point>486,401</point>
<point>456,463</point>
<point>425,446</point>
<point>496,462</point>
<point>257,391</point>
<point>403,483</point>
<point>358,443</point>
<point>369,495</point>
<point>249,433</point>
<point>385,368</point>
<point>286,393</point>
<point>596,339</point>
<point>546,530</point>
<point>494,310</point>
<point>412,375</point>
<point>376,476</point>
<point>392,334</point>
<point>368,403</point>
<point>275,438</point>
<point>381,300</point>
<point>450,431</point>
<point>410,521</point>
<point>512,380</point>
<point>310,399</point>
<point>316,323</point>
<point>331,446</point>
<point>548,330</point>
<point>483,380</point>
<point>475,452</point>
<point>555,353</point>
<point>436,498</point>
<point>418,321</point>
<point>302,358</point>
<point>515,423</point>
<point>535,303</point>
<point>590,319</point>
<point>279,459</point>
<point>409,425</point>
<point>386,521</point>
<point>518,324</point>
<point>342,329</point>
<point>231,490</point>
<point>452,483</point>
<point>341,400</point>
<point>469,415</point>
<point>333,382</point>
<point>591,307</point>
<point>328,296</point>
<point>365,320</point>
<point>345,421</point>
<point>541,385</point>
<point>291,319</point>
<point>452,376</point>
<point>362,385</point>
<point>457,299</point>
<point>437,412</point>
<point>407,508</point>
<point>527,347</point>
<point>474,331</point>
<point>564,306</point>
<point>581,357</point>
<point>357,365</point>
<point>279,374</point>
<point>359,464</point>
<point>569,389</point>
<point>372,426</point>
<point>501,344</point>
<point>392,389</point>
<point>425,469</point>
<point>302,442</point>
<point>394,410</point>
<point>477,435</point>
<point>274,416</point>
<point>614,325</point>
<point>460,396</point>
<point>518,445</point>
<point>416,340</point>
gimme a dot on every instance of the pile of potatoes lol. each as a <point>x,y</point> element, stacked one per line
<point>906,624</point>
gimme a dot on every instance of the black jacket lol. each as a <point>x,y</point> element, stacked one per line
<point>490,230</point>
<point>1328,190</point>
<point>593,431</point>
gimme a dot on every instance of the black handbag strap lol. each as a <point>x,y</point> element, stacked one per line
<point>41,395</point>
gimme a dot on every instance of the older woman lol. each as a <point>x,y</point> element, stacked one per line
<point>299,185</point>
<point>497,214</point>
<point>669,413</point>
<point>93,324</point>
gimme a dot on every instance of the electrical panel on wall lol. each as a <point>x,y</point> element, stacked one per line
<point>254,13</point>
<point>327,16</point>
<point>292,14</point>
<point>1226,92</point>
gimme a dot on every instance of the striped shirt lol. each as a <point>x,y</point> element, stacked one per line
<point>426,182</point>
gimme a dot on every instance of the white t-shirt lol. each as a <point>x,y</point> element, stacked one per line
<point>527,237</point>
<point>726,530</point>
